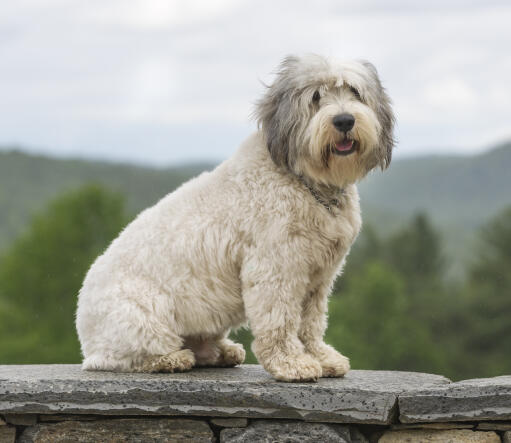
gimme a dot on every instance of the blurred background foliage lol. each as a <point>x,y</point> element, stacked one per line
<point>398,304</point>
<point>393,308</point>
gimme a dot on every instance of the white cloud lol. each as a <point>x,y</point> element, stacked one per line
<point>156,14</point>
<point>156,68</point>
<point>446,94</point>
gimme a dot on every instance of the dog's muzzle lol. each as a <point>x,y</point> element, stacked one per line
<point>345,145</point>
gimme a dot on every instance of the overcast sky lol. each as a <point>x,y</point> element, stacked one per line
<point>162,81</point>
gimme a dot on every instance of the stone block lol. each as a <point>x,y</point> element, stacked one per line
<point>7,434</point>
<point>67,417</point>
<point>245,391</point>
<point>119,430</point>
<point>506,438</point>
<point>400,426</point>
<point>230,422</point>
<point>21,419</point>
<point>494,426</point>
<point>468,400</point>
<point>291,432</point>
<point>439,436</point>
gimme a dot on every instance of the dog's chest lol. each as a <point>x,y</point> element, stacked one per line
<point>337,231</point>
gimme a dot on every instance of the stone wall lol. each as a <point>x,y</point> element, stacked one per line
<point>57,403</point>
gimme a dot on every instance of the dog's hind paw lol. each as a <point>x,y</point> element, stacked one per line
<point>178,361</point>
<point>231,355</point>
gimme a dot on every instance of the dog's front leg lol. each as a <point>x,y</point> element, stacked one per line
<point>273,294</point>
<point>312,329</point>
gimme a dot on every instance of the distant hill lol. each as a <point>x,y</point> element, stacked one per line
<point>459,190</point>
<point>459,193</point>
<point>28,182</point>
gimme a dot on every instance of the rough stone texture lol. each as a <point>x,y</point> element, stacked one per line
<point>119,430</point>
<point>7,434</point>
<point>433,426</point>
<point>507,437</point>
<point>246,391</point>
<point>2,421</point>
<point>436,436</point>
<point>21,419</point>
<point>230,422</point>
<point>292,432</point>
<point>469,400</point>
<point>494,426</point>
<point>63,417</point>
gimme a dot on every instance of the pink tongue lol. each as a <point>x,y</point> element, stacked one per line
<point>344,146</point>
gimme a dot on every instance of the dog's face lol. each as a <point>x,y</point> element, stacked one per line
<point>328,120</point>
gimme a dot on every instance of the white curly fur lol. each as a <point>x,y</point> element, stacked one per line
<point>245,242</point>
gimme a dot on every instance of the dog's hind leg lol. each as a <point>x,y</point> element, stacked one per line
<point>213,351</point>
<point>231,354</point>
<point>178,361</point>
<point>166,353</point>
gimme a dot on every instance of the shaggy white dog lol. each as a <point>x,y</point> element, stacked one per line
<point>260,239</point>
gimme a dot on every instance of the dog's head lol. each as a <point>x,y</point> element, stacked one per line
<point>329,120</point>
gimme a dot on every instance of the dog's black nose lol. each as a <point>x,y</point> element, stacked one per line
<point>344,122</point>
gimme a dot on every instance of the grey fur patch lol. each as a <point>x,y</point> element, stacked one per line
<point>280,114</point>
<point>383,110</point>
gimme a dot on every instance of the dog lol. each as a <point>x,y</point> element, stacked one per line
<point>260,239</point>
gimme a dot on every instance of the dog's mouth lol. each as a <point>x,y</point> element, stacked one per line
<point>345,147</point>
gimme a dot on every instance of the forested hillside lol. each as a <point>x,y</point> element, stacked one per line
<point>453,190</point>
<point>393,307</point>
<point>458,193</point>
<point>28,183</point>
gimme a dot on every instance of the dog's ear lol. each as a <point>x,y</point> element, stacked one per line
<point>273,112</point>
<point>385,115</point>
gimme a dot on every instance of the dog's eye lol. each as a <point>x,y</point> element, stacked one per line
<point>316,97</point>
<point>355,93</point>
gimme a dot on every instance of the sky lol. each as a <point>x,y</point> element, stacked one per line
<point>164,82</point>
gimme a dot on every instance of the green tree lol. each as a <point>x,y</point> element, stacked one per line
<point>411,269</point>
<point>488,325</point>
<point>390,309</point>
<point>41,273</point>
<point>370,321</point>
<point>416,253</point>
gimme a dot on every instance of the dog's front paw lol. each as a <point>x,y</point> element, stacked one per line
<point>333,363</point>
<point>335,367</point>
<point>301,368</point>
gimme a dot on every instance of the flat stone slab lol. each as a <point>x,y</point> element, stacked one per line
<point>434,426</point>
<point>469,400</point>
<point>494,426</point>
<point>230,422</point>
<point>245,391</point>
<point>21,419</point>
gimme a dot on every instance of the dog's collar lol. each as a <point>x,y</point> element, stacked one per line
<point>329,204</point>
